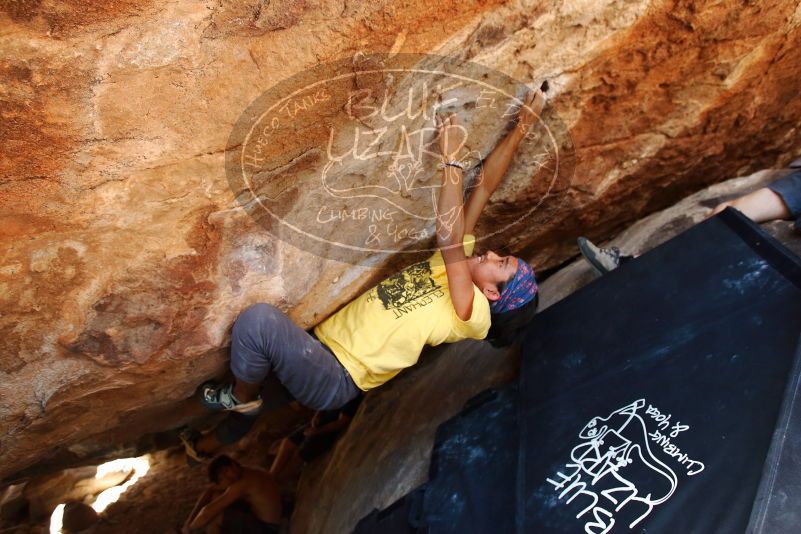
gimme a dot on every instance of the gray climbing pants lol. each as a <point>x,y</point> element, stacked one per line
<point>264,340</point>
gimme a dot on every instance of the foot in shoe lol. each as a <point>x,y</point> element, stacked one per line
<point>602,260</point>
<point>221,397</point>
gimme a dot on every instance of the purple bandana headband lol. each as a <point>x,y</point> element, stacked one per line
<point>518,291</point>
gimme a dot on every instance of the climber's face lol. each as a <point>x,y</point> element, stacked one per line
<point>491,271</point>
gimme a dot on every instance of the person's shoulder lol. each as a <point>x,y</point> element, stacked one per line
<point>256,476</point>
<point>480,303</point>
<point>480,318</point>
<point>255,482</point>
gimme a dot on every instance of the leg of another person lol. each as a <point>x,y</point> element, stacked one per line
<point>779,200</point>
<point>789,189</point>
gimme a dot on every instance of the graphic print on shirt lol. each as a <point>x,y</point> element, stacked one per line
<point>408,290</point>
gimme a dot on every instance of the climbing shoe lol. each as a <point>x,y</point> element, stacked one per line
<point>219,397</point>
<point>602,260</point>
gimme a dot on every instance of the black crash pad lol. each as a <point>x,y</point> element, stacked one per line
<point>651,399</point>
<point>662,398</point>
<point>473,452</point>
<point>471,486</point>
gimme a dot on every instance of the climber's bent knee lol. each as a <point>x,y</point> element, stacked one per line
<point>265,340</point>
<point>252,342</point>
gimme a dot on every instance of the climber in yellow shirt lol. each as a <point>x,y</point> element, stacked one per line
<point>453,295</point>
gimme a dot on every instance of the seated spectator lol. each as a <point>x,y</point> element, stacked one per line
<point>241,500</point>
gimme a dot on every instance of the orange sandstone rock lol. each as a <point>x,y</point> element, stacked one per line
<point>125,257</point>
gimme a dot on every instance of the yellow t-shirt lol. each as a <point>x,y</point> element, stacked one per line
<point>384,330</point>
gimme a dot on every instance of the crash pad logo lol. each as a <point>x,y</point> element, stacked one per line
<point>343,159</point>
<point>409,285</point>
<point>620,468</point>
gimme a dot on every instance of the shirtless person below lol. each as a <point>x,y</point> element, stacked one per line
<point>241,499</point>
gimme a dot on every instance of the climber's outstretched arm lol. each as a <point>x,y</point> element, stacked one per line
<point>450,219</point>
<point>497,163</point>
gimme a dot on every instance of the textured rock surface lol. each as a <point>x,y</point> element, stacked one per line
<point>125,257</point>
<point>387,449</point>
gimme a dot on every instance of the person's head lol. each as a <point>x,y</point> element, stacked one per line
<point>78,517</point>
<point>511,288</point>
<point>224,471</point>
<point>491,272</point>
<point>507,282</point>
